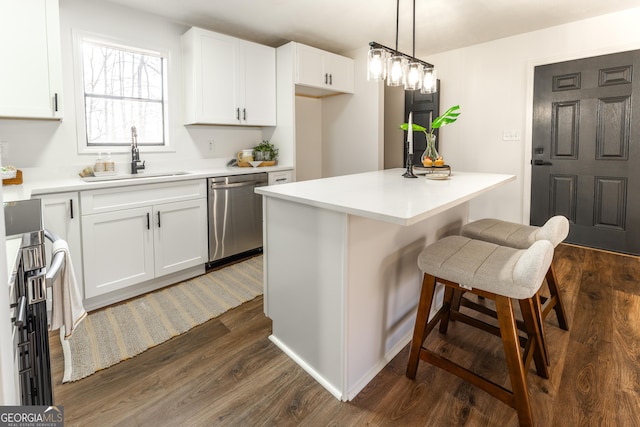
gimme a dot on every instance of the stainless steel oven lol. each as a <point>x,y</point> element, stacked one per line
<point>235,216</point>
<point>23,223</point>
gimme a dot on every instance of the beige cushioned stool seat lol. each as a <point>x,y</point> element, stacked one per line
<point>515,235</point>
<point>514,273</point>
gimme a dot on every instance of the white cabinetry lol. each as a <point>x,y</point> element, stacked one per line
<point>31,71</point>
<point>228,80</point>
<point>131,235</point>
<point>322,70</point>
<point>280,177</point>
<point>61,213</point>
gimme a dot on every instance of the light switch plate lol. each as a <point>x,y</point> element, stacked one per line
<point>511,135</point>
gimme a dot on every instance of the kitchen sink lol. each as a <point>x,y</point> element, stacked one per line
<point>139,175</point>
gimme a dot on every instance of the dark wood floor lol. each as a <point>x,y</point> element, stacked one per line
<point>227,372</point>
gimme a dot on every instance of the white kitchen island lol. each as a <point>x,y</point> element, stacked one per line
<point>341,276</point>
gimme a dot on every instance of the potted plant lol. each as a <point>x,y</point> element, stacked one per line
<point>265,151</point>
<point>430,155</point>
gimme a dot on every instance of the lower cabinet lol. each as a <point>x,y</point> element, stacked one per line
<point>180,236</point>
<point>118,250</point>
<point>61,213</point>
<point>145,240</point>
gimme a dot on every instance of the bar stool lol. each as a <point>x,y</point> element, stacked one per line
<point>521,236</point>
<point>495,272</point>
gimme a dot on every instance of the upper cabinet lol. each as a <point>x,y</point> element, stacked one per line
<point>320,73</point>
<point>31,71</point>
<point>228,81</point>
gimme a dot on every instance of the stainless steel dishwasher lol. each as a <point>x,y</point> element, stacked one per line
<point>235,215</point>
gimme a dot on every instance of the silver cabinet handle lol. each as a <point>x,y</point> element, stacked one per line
<point>331,79</point>
<point>158,219</point>
<point>238,113</point>
<point>244,114</point>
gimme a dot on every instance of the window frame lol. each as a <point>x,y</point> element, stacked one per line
<point>81,130</point>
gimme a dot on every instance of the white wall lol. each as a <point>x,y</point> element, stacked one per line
<point>48,143</point>
<point>353,125</point>
<point>394,145</point>
<point>493,83</point>
<point>308,138</point>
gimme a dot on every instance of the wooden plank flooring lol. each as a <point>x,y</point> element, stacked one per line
<point>226,372</point>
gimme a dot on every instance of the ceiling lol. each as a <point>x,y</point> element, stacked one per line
<point>343,25</point>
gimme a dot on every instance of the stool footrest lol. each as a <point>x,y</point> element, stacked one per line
<point>482,383</point>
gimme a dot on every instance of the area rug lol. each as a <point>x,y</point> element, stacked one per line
<point>111,335</point>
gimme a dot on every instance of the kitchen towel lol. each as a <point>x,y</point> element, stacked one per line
<point>67,309</point>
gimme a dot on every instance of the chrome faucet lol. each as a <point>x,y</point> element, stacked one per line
<point>135,152</point>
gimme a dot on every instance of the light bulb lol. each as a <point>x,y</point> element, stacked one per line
<point>395,70</point>
<point>376,67</point>
<point>414,76</point>
<point>429,81</point>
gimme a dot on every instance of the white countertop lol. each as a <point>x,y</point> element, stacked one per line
<point>64,182</point>
<point>386,195</point>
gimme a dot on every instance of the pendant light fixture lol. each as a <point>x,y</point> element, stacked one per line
<point>398,68</point>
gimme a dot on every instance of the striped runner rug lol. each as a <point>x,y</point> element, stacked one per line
<point>113,334</point>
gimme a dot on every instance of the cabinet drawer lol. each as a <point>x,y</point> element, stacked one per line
<point>113,199</point>
<point>281,177</point>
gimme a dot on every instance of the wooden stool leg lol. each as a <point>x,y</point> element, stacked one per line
<point>422,318</point>
<point>555,295</point>
<point>511,343</point>
<point>447,303</point>
<point>536,342</point>
<point>537,305</point>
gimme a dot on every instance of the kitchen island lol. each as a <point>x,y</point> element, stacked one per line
<point>341,276</point>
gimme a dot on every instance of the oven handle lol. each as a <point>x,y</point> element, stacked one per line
<point>57,263</point>
<point>21,311</point>
<point>215,186</point>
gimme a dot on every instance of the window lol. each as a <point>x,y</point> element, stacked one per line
<point>121,87</point>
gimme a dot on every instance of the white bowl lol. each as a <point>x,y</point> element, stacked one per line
<point>256,163</point>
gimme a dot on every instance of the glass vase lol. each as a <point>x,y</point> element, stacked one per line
<point>430,153</point>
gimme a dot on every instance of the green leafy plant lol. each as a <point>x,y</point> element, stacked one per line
<point>265,151</point>
<point>449,116</point>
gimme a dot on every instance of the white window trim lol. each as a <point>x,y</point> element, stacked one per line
<point>81,131</point>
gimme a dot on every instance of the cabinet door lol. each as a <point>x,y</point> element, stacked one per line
<point>215,61</point>
<point>340,71</point>
<point>259,108</point>
<point>31,74</point>
<point>309,66</point>
<point>180,235</point>
<point>61,214</point>
<point>118,250</point>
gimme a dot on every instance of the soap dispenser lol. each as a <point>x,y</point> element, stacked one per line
<point>109,164</point>
<point>100,164</point>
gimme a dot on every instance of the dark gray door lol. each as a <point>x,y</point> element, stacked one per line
<point>586,149</point>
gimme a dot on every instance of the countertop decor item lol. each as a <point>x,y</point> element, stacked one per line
<point>265,151</point>
<point>11,176</point>
<point>409,172</point>
<point>430,157</point>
